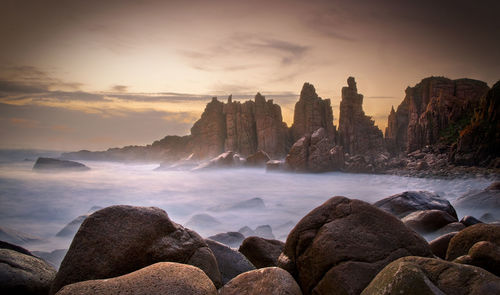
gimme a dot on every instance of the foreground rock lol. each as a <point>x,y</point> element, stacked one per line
<point>121,239</point>
<point>407,202</point>
<point>270,280</point>
<point>6,245</point>
<point>419,275</point>
<point>483,254</point>
<point>231,262</point>
<point>341,245</point>
<point>465,239</point>
<point>159,278</point>
<point>24,274</point>
<point>262,252</point>
<point>439,245</point>
<point>426,221</point>
<point>55,164</point>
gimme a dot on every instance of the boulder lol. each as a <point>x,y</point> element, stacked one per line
<point>224,160</point>
<point>259,159</point>
<point>231,262</point>
<point>159,278</point>
<point>418,275</point>
<point>449,228</point>
<point>262,252</point>
<point>461,243</point>
<point>121,239</point>
<point>483,254</point>
<point>426,221</point>
<point>341,245</point>
<point>269,280</point>
<point>469,220</point>
<point>407,202</point>
<point>6,245</point>
<point>55,164</point>
<point>24,274</point>
<point>439,245</point>
<point>231,239</point>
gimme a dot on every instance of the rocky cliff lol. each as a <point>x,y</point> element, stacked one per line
<point>209,132</point>
<point>479,141</point>
<point>311,113</point>
<point>433,111</point>
<point>357,132</point>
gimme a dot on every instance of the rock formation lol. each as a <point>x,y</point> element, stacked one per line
<point>479,142</point>
<point>47,164</point>
<point>311,113</point>
<point>358,133</point>
<point>433,111</point>
<point>209,132</point>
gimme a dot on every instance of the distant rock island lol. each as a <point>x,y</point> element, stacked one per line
<point>441,124</point>
<point>43,164</point>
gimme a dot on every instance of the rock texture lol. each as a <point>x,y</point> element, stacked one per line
<point>419,275</point>
<point>479,142</point>
<point>231,262</point>
<point>231,239</point>
<point>311,113</point>
<point>24,274</point>
<point>262,252</point>
<point>58,165</point>
<point>315,153</point>
<point>159,278</point>
<point>434,110</point>
<point>341,245</point>
<point>426,221</point>
<point>483,254</point>
<point>358,133</point>
<point>439,245</point>
<point>121,239</point>
<point>465,239</point>
<point>209,132</point>
<point>269,280</point>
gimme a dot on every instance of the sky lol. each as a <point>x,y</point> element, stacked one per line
<point>99,74</point>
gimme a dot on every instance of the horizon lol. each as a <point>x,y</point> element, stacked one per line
<point>91,75</point>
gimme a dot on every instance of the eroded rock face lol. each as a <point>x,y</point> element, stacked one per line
<point>262,252</point>
<point>311,113</point>
<point>24,274</point>
<point>269,280</point>
<point>315,153</point>
<point>241,134</point>
<point>358,133</point>
<point>434,110</point>
<point>341,245</point>
<point>159,278</point>
<point>209,132</point>
<point>418,275</point>
<point>121,239</point>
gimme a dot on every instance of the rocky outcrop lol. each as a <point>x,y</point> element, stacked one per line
<point>434,110</point>
<point>419,275</point>
<point>315,153</point>
<point>46,164</point>
<point>121,239</point>
<point>269,280</point>
<point>341,245</point>
<point>262,252</point>
<point>357,132</point>
<point>24,274</point>
<point>159,278</point>
<point>479,142</point>
<point>311,113</point>
<point>209,132</point>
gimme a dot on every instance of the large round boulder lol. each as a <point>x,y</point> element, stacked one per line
<point>24,274</point>
<point>426,221</point>
<point>421,276</point>
<point>341,245</point>
<point>231,262</point>
<point>121,239</point>
<point>483,254</point>
<point>269,280</point>
<point>466,238</point>
<point>407,202</point>
<point>159,278</point>
<point>262,252</point>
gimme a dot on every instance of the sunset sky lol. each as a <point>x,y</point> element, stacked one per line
<point>98,74</point>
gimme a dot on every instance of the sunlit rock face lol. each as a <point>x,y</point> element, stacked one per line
<point>433,111</point>
<point>209,132</point>
<point>311,113</point>
<point>358,133</point>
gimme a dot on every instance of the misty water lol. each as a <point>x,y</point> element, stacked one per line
<point>41,204</point>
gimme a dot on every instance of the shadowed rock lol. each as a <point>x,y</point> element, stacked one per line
<point>231,262</point>
<point>465,239</point>
<point>231,239</point>
<point>426,221</point>
<point>262,252</point>
<point>43,164</point>
<point>439,245</point>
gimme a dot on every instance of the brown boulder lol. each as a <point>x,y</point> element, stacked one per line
<point>269,280</point>
<point>465,239</point>
<point>260,158</point>
<point>440,244</point>
<point>159,278</point>
<point>231,262</point>
<point>427,221</point>
<point>418,276</point>
<point>483,254</point>
<point>262,252</point>
<point>341,245</point>
<point>121,239</point>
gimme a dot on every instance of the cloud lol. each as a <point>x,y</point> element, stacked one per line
<point>119,88</point>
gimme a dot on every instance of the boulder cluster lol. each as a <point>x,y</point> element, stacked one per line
<point>344,246</point>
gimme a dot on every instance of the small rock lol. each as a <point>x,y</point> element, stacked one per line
<point>469,220</point>
<point>55,164</point>
<point>231,262</point>
<point>262,252</point>
<point>231,239</point>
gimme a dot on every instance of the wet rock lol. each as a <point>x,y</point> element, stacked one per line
<point>449,228</point>
<point>426,221</point>
<point>341,245</point>
<point>231,262</point>
<point>405,203</point>
<point>419,275</point>
<point>24,274</point>
<point>260,158</point>
<point>469,220</point>
<point>439,245</point>
<point>46,164</point>
<point>121,239</point>
<point>224,160</point>
<point>269,280</point>
<point>159,278</point>
<point>262,252</point>
<point>465,239</point>
<point>483,254</point>
<point>231,239</point>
